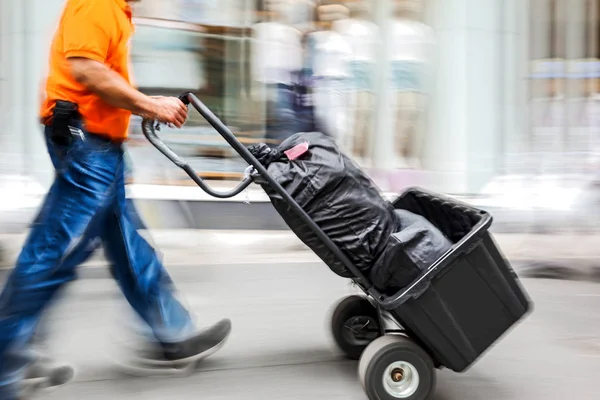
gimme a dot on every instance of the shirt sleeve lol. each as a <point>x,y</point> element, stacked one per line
<point>86,30</point>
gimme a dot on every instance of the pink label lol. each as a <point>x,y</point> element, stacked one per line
<point>297,151</point>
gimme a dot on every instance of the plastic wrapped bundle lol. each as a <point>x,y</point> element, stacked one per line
<point>335,193</point>
<point>412,249</point>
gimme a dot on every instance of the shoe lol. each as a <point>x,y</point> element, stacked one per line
<point>44,374</point>
<point>189,351</point>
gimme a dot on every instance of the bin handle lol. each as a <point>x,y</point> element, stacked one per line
<point>149,130</point>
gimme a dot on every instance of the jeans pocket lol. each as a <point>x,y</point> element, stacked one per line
<point>59,152</point>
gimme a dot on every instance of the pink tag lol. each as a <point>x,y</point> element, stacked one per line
<point>297,151</point>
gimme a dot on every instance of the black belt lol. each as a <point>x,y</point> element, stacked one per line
<point>66,121</point>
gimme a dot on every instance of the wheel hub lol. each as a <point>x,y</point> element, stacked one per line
<point>397,374</point>
<point>401,380</point>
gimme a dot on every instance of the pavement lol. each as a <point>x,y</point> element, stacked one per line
<point>572,256</point>
<point>281,347</point>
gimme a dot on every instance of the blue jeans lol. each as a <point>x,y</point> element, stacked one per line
<point>86,203</point>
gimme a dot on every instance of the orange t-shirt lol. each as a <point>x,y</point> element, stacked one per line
<point>99,30</point>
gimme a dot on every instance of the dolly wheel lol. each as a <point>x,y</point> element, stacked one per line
<point>394,367</point>
<point>355,324</point>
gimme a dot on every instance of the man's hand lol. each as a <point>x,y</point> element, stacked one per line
<point>170,110</point>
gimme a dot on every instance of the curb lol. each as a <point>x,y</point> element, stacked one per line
<point>551,270</point>
<point>585,270</point>
<point>558,256</point>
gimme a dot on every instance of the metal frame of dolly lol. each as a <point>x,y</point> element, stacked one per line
<point>149,128</point>
<point>379,301</point>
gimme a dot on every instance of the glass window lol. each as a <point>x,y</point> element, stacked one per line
<point>271,68</point>
<point>266,68</point>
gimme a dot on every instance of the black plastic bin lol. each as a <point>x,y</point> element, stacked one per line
<point>472,295</point>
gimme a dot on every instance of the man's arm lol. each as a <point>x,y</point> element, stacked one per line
<point>116,91</point>
<point>111,87</point>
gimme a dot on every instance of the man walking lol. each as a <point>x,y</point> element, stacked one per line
<point>86,111</point>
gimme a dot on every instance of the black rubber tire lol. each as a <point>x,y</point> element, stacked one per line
<point>347,310</point>
<point>384,351</point>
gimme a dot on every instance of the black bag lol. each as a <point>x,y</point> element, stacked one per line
<point>335,193</point>
<point>413,248</point>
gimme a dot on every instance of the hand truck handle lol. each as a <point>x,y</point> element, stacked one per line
<point>189,98</point>
<point>149,130</point>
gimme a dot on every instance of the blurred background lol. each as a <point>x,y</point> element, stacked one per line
<point>496,102</point>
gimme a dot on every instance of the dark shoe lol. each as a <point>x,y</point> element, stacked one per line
<point>191,350</point>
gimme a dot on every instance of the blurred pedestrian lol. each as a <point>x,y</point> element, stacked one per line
<point>86,110</point>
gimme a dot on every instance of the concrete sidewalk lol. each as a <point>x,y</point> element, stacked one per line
<point>560,256</point>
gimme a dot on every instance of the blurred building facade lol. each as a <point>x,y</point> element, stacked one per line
<point>450,94</point>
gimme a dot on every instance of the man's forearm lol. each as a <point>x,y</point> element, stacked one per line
<point>111,87</point>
